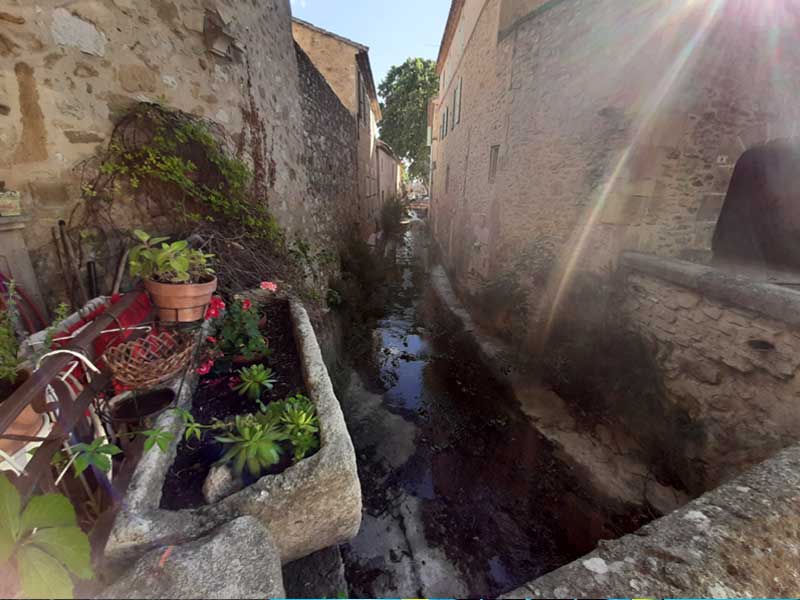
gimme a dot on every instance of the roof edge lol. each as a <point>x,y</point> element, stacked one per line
<point>449,32</point>
<point>341,38</point>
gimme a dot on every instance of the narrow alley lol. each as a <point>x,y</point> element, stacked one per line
<point>462,495</point>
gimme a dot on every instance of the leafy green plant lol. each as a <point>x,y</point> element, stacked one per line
<point>9,345</point>
<point>174,262</point>
<point>61,313</point>
<point>156,437</point>
<point>255,379</point>
<point>253,443</point>
<point>166,153</point>
<point>240,333</point>
<point>299,420</point>
<point>42,543</point>
<point>98,453</point>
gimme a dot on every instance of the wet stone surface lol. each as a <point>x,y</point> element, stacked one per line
<point>462,495</point>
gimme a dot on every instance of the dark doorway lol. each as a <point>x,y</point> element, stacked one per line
<point>760,221</point>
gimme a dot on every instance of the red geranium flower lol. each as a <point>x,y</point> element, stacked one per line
<point>246,304</point>
<point>205,368</point>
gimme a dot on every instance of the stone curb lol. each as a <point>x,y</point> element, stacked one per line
<point>777,302</point>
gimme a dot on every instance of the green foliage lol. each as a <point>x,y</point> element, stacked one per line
<point>333,298</point>
<point>62,311</point>
<point>193,429</point>
<point>392,214</point>
<point>97,453</point>
<point>255,379</point>
<point>406,91</point>
<point>156,437</point>
<point>301,425</point>
<point>240,333</point>
<point>158,260</point>
<point>253,443</point>
<point>42,542</point>
<point>171,155</point>
<point>254,440</point>
<point>9,345</point>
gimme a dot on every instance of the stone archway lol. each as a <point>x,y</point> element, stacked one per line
<point>759,225</point>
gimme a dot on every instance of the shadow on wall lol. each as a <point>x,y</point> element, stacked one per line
<point>760,221</point>
<point>605,371</point>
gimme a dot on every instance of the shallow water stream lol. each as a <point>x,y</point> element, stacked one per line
<point>462,495</point>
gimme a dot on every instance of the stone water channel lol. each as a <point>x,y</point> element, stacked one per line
<point>463,497</point>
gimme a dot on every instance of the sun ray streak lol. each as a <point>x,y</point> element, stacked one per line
<point>649,113</point>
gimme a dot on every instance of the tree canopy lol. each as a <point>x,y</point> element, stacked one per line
<point>406,91</point>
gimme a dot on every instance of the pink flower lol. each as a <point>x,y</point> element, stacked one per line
<point>205,368</point>
<point>246,304</point>
<point>269,285</point>
<point>211,339</point>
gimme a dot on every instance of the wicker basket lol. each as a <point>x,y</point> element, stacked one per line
<point>151,360</point>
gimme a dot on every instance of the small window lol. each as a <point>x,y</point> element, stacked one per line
<point>457,103</point>
<point>494,155</point>
<point>455,108</point>
<point>360,92</point>
<point>447,179</point>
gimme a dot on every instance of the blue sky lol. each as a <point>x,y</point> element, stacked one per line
<point>394,31</point>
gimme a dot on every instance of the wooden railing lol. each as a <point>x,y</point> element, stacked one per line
<point>38,473</point>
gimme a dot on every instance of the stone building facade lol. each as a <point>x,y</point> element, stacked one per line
<point>388,173</point>
<point>345,65</point>
<point>566,134</point>
<point>67,70</point>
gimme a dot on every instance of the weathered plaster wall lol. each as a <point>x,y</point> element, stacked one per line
<point>728,351</point>
<point>618,127</point>
<point>368,196</point>
<point>66,68</point>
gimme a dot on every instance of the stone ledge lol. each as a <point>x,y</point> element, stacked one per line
<point>740,540</point>
<point>774,301</point>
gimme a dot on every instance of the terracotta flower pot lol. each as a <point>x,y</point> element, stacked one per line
<point>27,423</point>
<point>181,302</point>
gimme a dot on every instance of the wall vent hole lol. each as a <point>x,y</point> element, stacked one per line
<point>761,345</point>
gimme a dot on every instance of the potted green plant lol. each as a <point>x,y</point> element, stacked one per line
<point>12,375</point>
<point>177,277</point>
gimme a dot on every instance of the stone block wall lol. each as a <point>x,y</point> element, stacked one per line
<point>728,352</point>
<point>67,68</point>
<point>617,127</point>
<point>330,158</point>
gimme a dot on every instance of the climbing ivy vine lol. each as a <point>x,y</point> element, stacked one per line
<point>168,156</point>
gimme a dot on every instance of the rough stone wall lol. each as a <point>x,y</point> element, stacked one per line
<point>728,352</point>
<point>65,69</point>
<point>334,58</point>
<point>331,151</point>
<point>741,540</point>
<point>618,127</point>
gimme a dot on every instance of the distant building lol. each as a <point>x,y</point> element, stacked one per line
<point>346,67</point>
<point>388,172</point>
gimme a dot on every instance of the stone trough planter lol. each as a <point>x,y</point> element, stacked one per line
<point>314,504</point>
